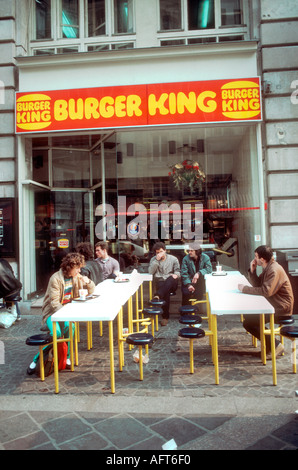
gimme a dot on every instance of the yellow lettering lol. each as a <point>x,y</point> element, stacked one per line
<point>254,104</point>
<point>91,105</point>
<point>210,105</point>
<point>154,104</point>
<point>120,106</point>
<point>186,102</point>
<point>60,110</point>
<point>172,103</point>
<point>35,116</point>
<point>76,109</point>
<point>45,115</point>
<point>133,105</point>
<point>106,107</point>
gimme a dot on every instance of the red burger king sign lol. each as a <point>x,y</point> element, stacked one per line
<point>139,105</point>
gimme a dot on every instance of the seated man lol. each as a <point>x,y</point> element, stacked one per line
<point>274,284</point>
<point>166,272</point>
<point>193,268</point>
<point>110,266</point>
<point>92,268</point>
<point>10,287</point>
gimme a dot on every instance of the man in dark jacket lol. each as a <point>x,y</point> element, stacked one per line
<point>194,266</point>
<point>274,284</point>
<point>92,268</point>
<point>10,286</point>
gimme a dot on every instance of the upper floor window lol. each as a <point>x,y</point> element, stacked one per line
<point>199,14</point>
<point>71,19</point>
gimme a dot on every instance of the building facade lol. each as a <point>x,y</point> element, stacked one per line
<point>103,104</point>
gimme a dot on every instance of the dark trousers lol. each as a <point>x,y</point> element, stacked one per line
<point>198,294</point>
<point>163,290</point>
<point>252,324</point>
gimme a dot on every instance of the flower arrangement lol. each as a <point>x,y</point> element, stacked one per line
<point>187,174</point>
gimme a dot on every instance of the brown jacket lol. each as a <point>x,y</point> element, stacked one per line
<point>274,284</point>
<point>55,292</point>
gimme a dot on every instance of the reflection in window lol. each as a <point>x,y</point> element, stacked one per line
<point>201,14</point>
<point>44,51</point>
<point>70,18</point>
<point>170,14</point>
<point>96,18</point>
<point>43,19</point>
<point>231,12</point>
<point>123,10</point>
<point>71,169</point>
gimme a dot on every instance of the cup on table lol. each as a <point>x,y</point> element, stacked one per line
<point>218,268</point>
<point>83,293</point>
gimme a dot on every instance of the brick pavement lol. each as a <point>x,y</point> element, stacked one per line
<point>245,411</point>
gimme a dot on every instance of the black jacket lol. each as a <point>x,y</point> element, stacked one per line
<point>10,286</point>
<point>93,271</point>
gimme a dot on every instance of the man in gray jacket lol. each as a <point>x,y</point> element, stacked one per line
<point>166,272</point>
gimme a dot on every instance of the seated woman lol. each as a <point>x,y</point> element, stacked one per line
<point>63,286</point>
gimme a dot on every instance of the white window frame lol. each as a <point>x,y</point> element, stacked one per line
<point>217,32</point>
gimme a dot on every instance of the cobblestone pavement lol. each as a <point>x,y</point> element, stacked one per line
<point>245,411</point>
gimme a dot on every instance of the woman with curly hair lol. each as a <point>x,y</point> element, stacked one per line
<point>63,286</point>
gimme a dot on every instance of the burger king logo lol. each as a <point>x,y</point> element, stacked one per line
<point>63,243</point>
<point>240,99</point>
<point>33,112</point>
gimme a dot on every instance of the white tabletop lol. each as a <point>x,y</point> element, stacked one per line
<point>226,299</point>
<point>112,296</point>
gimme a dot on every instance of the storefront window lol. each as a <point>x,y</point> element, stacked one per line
<point>71,168</point>
<point>170,14</point>
<point>69,18</point>
<point>43,19</point>
<point>133,172</point>
<point>123,11</point>
<point>201,14</point>
<point>96,18</point>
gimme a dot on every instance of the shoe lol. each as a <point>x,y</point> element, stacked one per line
<point>68,364</point>
<point>279,350</point>
<point>164,322</point>
<point>31,371</point>
<point>18,319</point>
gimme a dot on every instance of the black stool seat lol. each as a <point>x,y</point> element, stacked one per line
<point>157,302</point>
<point>186,309</point>
<point>140,339</point>
<point>284,321</point>
<point>190,319</point>
<point>289,331</point>
<point>152,311</point>
<point>191,333</point>
<point>39,340</point>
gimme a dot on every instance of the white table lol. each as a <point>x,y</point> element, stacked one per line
<point>112,296</point>
<point>226,299</point>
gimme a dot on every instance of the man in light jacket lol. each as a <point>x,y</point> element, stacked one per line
<point>274,284</point>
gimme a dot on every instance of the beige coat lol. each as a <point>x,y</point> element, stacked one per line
<point>55,292</point>
<point>274,284</point>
